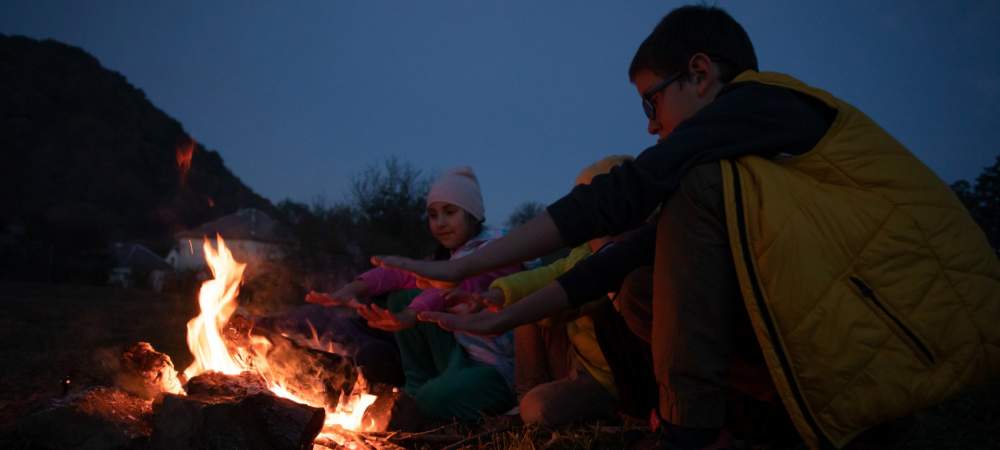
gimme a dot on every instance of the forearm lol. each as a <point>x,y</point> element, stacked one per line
<point>358,288</point>
<point>606,270</point>
<point>537,306</point>
<point>519,285</point>
<point>537,237</point>
<point>381,280</point>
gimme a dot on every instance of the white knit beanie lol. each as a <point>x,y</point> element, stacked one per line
<point>459,187</point>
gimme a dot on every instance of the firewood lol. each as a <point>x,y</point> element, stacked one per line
<point>301,369</point>
<point>214,384</point>
<point>223,412</point>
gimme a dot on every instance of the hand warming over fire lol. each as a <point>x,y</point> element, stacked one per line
<point>345,296</point>
<point>538,305</point>
<point>460,301</point>
<point>439,274</point>
<point>384,319</point>
<point>322,298</point>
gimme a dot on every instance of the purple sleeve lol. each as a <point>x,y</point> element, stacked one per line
<point>380,280</point>
<point>433,299</point>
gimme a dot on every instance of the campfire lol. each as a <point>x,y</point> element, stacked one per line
<point>248,387</point>
<point>245,379</point>
<point>217,299</point>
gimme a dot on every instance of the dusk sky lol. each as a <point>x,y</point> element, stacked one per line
<point>299,96</point>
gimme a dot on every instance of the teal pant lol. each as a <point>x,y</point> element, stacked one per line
<point>441,377</point>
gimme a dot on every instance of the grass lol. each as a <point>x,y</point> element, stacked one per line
<point>51,333</point>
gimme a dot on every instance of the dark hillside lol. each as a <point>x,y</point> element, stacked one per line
<point>88,160</point>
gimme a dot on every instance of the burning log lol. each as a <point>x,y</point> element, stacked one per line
<point>223,412</point>
<point>94,418</point>
<point>325,376</point>
<point>215,384</point>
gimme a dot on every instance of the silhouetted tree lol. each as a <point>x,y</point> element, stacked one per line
<point>523,213</point>
<point>383,214</point>
<point>389,201</point>
<point>983,201</point>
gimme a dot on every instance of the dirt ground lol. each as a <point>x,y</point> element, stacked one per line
<point>51,334</point>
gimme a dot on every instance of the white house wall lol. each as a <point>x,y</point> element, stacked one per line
<point>190,254</point>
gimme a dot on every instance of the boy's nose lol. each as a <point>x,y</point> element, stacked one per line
<point>653,127</point>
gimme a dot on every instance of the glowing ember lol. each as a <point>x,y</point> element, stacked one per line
<point>217,299</point>
<point>184,153</point>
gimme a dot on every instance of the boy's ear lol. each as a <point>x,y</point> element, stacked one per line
<point>704,74</point>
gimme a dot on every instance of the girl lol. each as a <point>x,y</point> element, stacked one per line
<point>447,374</point>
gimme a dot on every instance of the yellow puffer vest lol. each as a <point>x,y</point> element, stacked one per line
<point>871,290</point>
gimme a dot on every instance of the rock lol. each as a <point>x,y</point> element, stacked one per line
<point>146,372</point>
<point>96,418</point>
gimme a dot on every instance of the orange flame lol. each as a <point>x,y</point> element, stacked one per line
<point>184,153</point>
<point>217,299</point>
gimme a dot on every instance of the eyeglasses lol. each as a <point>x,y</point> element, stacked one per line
<point>647,97</point>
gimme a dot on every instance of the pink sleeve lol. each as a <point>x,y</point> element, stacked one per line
<point>429,300</point>
<point>433,299</point>
<point>380,280</point>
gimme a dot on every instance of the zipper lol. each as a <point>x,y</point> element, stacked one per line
<point>904,332</point>
<point>758,292</point>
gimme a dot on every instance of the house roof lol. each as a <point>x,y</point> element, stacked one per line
<point>136,256</point>
<point>246,224</point>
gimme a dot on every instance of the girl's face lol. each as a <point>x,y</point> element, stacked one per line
<point>449,224</point>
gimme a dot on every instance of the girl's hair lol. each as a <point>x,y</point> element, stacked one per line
<point>442,253</point>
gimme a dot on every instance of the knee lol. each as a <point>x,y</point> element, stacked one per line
<point>637,288</point>
<point>434,401</point>
<point>535,408</point>
<point>635,301</point>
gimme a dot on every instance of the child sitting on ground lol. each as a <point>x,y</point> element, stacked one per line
<point>449,375</point>
<point>561,373</point>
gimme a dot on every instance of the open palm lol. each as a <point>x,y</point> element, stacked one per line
<point>384,319</point>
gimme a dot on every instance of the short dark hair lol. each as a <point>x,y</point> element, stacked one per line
<point>693,29</point>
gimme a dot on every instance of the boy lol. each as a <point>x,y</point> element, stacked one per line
<point>786,214</point>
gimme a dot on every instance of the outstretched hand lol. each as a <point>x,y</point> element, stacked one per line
<point>460,301</point>
<point>384,319</point>
<point>438,274</point>
<point>334,299</point>
<point>484,323</point>
<point>536,306</point>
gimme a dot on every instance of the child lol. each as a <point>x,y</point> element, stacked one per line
<point>447,374</point>
<point>561,373</point>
